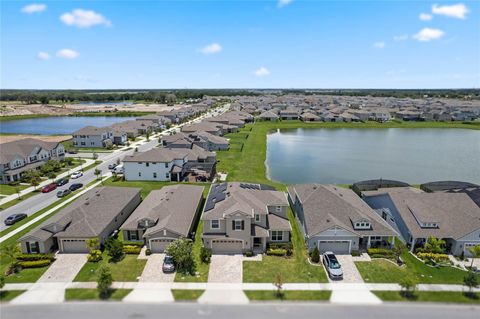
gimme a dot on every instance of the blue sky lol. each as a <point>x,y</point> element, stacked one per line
<point>240,44</point>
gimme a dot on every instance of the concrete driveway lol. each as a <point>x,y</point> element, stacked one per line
<point>64,268</point>
<point>350,271</point>
<point>226,269</point>
<point>153,270</point>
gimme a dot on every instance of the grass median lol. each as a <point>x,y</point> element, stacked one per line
<point>431,296</point>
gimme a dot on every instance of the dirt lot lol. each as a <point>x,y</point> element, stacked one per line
<point>57,138</point>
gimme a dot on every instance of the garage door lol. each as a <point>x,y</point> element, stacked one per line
<point>74,246</point>
<point>335,246</point>
<point>158,245</point>
<point>227,246</point>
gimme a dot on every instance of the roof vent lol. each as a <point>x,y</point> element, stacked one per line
<point>328,220</point>
<point>98,195</point>
<point>87,203</point>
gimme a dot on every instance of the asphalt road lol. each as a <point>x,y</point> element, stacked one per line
<point>255,311</point>
<point>42,200</point>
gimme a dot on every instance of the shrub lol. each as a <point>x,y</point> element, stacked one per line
<point>355,253</point>
<point>436,258</point>
<point>148,252</point>
<point>277,252</point>
<point>205,255</point>
<point>280,246</point>
<point>104,281</point>
<point>114,249</point>
<point>133,243</point>
<point>380,253</point>
<point>131,250</point>
<point>94,256</point>
<point>315,255</point>
<point>248,253</point>
<point>35,257</point>
<point>35,263</point>
<point>181,252</point>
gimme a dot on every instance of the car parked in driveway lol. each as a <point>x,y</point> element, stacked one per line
<point>49,188</point>
<point>333,267</point>
<point>75,186</point>
<point>76,174</point>
<point>112,166</point>
<point>12,219</point>
<point>168,264</point>
<point>61,182</point>
<point>63,192</point>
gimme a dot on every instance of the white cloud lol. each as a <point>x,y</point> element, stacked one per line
<point>458,10</point>
<point>379,45</point>
<point>68,54</point>
<point>263,71</point>
<point>283,3</point>
<point>43,56</point>
<point>34,8</point>
<point>428,34</point>
<point>401,37</point>
<point>425,17</point>
<point>84,19</point>
<point>211,48</point>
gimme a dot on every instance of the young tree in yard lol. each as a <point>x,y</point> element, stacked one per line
<point>147,135</point>
<point>104,281</point>
<point>475,251</point>
<point>409,286</point>
<point>10,252</point>
<point>181,252</point>
<point>18,190</point>
<point>398,250</point>
<point>278,283</point>
<point>315,255</point>
<point>114,248</point>
<point>97,172</point>
<point>2,281</point>
<point>118,160</point>
<point>68,161</point>
<point>435,245</point>
<point>471,282</point>
<point>94,155</point>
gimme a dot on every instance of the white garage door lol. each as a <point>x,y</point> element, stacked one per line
<point>74,246</point>
<point>335,246</point>
<point>227,246</point>
<point>466,250</point>
<point>158,245</point>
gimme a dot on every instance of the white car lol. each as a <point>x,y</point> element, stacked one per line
<point>76,174</point>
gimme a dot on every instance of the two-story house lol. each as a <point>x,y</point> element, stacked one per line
<point>92,136</point>
<point>19,156</point>
<point>240,217</point>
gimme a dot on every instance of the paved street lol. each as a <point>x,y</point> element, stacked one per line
<point>112,310</point>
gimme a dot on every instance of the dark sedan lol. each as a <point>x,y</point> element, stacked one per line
<point>12,219</point>
<point>62,182</point>
<point>75,186</point>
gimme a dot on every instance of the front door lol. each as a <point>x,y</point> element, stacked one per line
<point>257,242</point>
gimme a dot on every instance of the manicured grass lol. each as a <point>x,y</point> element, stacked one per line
<point>128,269</point>
<point>7,295</point>
<point>430,296</point>
<point>292,269</point>
<point>291,295</point>
<point>25,275</point>
<point>10,190</point>
<point>92,294</point>
<point>186,294</point>
<point>382,271</point>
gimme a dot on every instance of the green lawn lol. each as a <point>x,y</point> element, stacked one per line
<point>128,269</point>
<point>299,295</point>
<point>292,269</point>
<point>430,296</point>
<point>186,294</point>
<point>92,294</point>
<point>7,295</point>
<point>382,271</point>
<point>10,190</point>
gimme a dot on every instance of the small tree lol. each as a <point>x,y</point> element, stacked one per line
<point>10,253</point>
<point>147,134</point>
<point>205,255</point>
<point>278,283</point>
<point>97,172</point>
<point>475,251</point>
<point>118,160</point>
<point>2,281</point>
<point>315,255</point>
<point>68,161</point>
<point>435,245</point>
<point>18,190</point>
<point>181,252</point>
<point>94,155</point>
<point>114,248</point>
<point>398,250</point>
<point>104,281</point>
<point>409,286</point>
<point>471,281</point>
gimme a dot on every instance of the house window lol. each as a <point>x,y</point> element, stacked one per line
<point>154,175</point>
<point>277,235</point>
<point>214,224</point>
<point>81,143</point>
<point>34,249</point>
<point>166,165</point>
<point>147,164</point>
<point>139,174</point>
<point>257,217</point>
<point>238,225</point>
<point>167,175</point>
<point>278,209</point>
<point>132,235</point>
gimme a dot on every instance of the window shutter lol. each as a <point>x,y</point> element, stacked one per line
<point>28,247</point>
<point>233,224</point>
<point>243,225</point>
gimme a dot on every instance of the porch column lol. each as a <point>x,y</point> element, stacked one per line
<point>392,242</point>
<point>368,242</point>
<point>412,244</point>
<point>178,177</point>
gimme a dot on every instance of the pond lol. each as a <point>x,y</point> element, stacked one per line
<point>345,156</point>
<point>57,124</point>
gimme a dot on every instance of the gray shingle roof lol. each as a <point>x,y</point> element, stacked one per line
<point>23,148</point>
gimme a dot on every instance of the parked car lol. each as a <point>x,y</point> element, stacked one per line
<point>12,219</point>
<point>75,186</point>
<point>49,188</point>
<point>333,267</point>
<point>112,166</point>
<point>61,182</point>
<point>63,192</point>
<point>168,265</point>
<point>72,151</point>
<point>76,174</point>
<point>119,169</point>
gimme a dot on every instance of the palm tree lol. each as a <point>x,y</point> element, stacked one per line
<point>10,252</point>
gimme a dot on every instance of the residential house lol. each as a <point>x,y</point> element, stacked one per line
<point>240,217</point>
<point>309,117</point>
<point>268,116</point>
<point>92,137</point>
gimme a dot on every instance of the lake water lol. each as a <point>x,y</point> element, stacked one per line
<point>345,156</point>
<point>57,124</point>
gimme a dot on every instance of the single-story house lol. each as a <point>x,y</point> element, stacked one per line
<point>336,219</point>
<point>268,116</point>
<point>164,215</point>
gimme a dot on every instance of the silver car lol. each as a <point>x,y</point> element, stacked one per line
<point>333,267</point>
<point>168,264</point>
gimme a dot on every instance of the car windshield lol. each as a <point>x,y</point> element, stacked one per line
<point>168,260</point>
<point>333,262</point>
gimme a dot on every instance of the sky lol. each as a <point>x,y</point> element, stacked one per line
<point>239,44</point>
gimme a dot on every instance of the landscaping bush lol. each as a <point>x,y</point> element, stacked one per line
<point>131,250</point>
<point>356,253</point>
<point>280,246</point>
<point>94,256</point>
<point>205,255</point>
<point>35,263</point>
<point>315,257</point>
<point>436,258</point>
<point>35,257</point>
<point>277,252</point>
<point>248,253</point>
<point>380,253</point>
<point>148,252</point>
<point>133,243</point>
